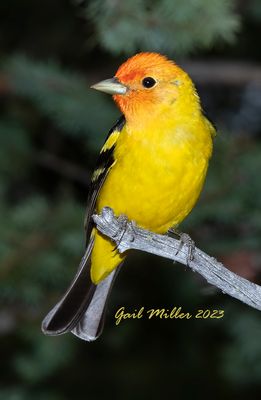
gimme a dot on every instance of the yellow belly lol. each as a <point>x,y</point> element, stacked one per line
<point>153,186</point>
<point>153,202</point>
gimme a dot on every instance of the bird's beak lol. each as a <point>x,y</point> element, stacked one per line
<point>110,86</point>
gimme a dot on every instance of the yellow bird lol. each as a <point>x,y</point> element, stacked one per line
<point>151,168</point>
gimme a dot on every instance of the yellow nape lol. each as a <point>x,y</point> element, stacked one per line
<point>104,257</point>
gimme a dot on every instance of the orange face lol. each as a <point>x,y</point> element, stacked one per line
<point>151,79</point>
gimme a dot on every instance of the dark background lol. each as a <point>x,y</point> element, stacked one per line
<point>51,129</point>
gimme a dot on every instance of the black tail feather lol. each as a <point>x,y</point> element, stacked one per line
<point>91,324</point>
<point>82,309</point>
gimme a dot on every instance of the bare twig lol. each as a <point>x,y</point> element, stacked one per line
<point>128,236</point>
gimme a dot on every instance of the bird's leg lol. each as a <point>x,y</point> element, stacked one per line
<point>185,239</point>
<point>124,223</point>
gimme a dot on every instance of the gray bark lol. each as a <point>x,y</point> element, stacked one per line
<point>128,236</point>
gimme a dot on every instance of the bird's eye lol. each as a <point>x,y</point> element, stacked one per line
<point>148,82</point>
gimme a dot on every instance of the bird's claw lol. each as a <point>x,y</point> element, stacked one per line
<point>185,239</point>
<point>124,223</point>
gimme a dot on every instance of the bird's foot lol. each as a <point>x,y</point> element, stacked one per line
<point>185,239</point>
<point>124,225</point>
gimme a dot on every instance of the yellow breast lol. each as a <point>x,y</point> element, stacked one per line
<point>158,175</point>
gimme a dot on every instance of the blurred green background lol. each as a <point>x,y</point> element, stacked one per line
<point>51,129</point>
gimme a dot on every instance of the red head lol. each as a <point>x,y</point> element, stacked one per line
<point>146,83</point>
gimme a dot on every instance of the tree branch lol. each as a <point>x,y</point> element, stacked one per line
<point>129,236</point>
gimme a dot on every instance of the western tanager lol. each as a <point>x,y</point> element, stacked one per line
<point>151,168</point>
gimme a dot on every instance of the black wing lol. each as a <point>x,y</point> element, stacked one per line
<point>104,163</point>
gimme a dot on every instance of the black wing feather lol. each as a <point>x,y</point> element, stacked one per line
<point>104,163</point>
